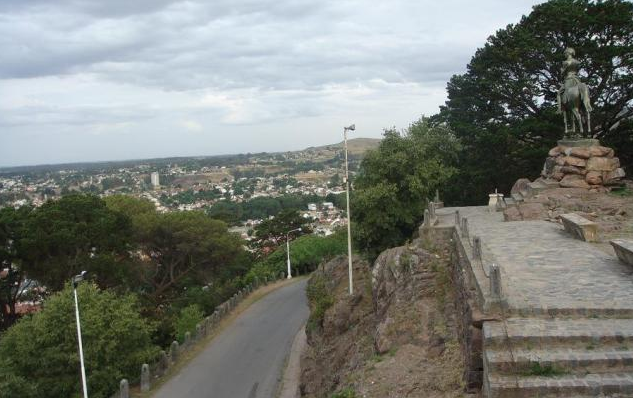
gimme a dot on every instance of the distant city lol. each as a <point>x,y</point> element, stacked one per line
<point>240,189</point>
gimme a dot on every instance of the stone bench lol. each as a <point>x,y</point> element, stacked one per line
<point>580,227</point>
<point>624,250</point>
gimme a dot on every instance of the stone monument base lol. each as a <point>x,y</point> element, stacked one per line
<point>578,142</point>
<point>582,163</point>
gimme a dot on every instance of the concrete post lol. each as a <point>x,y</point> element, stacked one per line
<point>432,210</point>
<point>173,351</point>
<point>476,248</point>
<point>495,281</point>
<point>199,332</point>
<point>457,219</point>
<point>124,389</point>
<point>465,228</point>
<point>187,341</point>
<point>145,380</point>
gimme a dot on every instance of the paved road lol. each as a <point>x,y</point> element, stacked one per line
<point>246,359</point>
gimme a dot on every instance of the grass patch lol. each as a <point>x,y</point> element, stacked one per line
<point>345,393</point>
<point>623,192</point>
<point>543,370</point>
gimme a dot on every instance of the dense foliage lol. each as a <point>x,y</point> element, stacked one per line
<point>395,182</point>
<point>39,358</point>
<point>503,109</point>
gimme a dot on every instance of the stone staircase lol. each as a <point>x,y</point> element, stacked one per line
<point>534,357</point>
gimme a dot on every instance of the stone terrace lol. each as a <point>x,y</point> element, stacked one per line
<point>566,324</point>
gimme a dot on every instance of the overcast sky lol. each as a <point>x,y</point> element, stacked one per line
<point>87,80</point>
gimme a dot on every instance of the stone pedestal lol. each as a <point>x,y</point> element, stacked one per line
<point>582,163</point>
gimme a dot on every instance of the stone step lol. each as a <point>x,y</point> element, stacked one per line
<point>566,360</point>
<point>588,385</point>
<point>535,333</point>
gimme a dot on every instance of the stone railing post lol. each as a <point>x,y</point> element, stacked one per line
<point>495,281</point>
<point>187,341</point>
<point>124,389</point>
<point>427,218</point>
<point>199,332</point>
<point>465,228</point>
<point>173,351</point>
<point>432,210</point>
<point>145,380</point>
<point>163,362</point>
<point>476,248</point>
<point>457,219</point>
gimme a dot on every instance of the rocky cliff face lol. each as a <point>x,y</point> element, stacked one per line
<point>395,337</point>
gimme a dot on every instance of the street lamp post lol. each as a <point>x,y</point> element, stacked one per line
<point>288,250</point>
<point>349,222</point>
<point>76,279</point>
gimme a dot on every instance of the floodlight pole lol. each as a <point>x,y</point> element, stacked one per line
<point>75,281</point>
<point>349,222</point>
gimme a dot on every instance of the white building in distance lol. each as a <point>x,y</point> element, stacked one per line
<point>155,179</point>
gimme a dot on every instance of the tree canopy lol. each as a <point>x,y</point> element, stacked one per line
<point>396,181</point>
<point>39,358</point>
<point>503,108</point>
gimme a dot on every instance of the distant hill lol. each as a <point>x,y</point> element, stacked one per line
<point>355,146</point>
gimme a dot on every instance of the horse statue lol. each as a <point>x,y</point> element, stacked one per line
<point>573,95</point>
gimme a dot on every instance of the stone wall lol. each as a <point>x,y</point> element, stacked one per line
<point>468,299</point>
<point>589,166</point>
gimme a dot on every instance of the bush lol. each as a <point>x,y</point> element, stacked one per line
<point>189,317</point>
<point>39,355</point>
<point>319,299</point>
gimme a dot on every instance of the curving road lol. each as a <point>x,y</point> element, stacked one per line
<point>246,359</point>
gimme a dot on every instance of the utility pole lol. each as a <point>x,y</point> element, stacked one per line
<point>349,220</point>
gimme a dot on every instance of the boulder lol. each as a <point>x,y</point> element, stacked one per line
<point>511,214</point>
<point>549,166</point>
<point>602,164</point>
<point>521,185</point>
<point>560,160</point>
<point>574,161</point>
<point>573,181</point>
<point>601,151</point>
<point>594,178</point>
<point>557,150</point>
<point>614,176</point>
<point>580,152</point>
<point>572,170</point>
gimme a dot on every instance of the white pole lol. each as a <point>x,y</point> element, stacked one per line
<point>349,226</point>
<point>81,348</point>
<point>288,253</point>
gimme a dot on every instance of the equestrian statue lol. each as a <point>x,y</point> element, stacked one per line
<point>572,95</point>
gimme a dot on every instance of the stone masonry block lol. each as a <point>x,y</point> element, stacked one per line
<point>624,250</point>
<point>580,227</point>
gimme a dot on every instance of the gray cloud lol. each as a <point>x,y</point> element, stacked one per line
<point>138,66</point>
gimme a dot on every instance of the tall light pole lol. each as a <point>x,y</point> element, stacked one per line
<point>288,250</point>
<point>76,279</point>
<point>349,222</point>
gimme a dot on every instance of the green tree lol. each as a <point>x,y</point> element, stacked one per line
<point>11,284</point>
<point>38,355</point>
<point>189,317</point>
<point>395,182</point>
<point>77,232</point>
<point>182,245</point>
<point>272,232</point>
<point>503,108</point>
<point>129,205</point>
